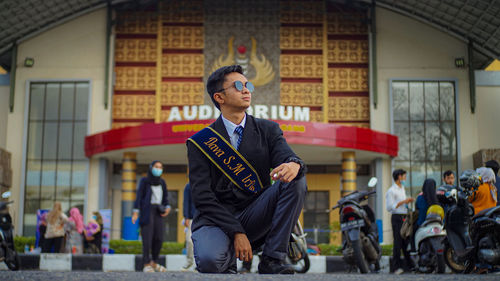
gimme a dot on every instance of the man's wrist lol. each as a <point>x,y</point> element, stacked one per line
<point>297,160</point>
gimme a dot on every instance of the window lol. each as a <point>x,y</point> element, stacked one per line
<point>424,121</point>
<point>317,216</point>
<point>56,166</point>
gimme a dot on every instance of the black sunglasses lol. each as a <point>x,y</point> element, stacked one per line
<point>239,86</point>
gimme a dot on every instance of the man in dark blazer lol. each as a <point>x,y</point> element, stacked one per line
<point>232,221</point>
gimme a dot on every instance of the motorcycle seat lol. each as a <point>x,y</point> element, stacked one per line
<point>430,221</point>
<point>487,212</point>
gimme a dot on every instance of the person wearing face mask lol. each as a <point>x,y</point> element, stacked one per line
<point>150,207</point>
<point>396,203</point>
<point>93,234</point>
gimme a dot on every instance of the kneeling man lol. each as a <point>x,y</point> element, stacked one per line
<point>231,164</point>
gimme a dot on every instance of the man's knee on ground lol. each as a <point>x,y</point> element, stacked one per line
<point>209,264</point>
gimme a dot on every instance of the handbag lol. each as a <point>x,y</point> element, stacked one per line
<point>407,227</point>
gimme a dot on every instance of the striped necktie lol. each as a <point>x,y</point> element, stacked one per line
<point>239,131</point>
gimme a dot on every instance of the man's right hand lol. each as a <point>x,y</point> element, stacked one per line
<point>406,201</point>
<point>135,215</point>
<point>242,247</point>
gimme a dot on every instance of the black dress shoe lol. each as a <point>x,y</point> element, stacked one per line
<point>269,265</point>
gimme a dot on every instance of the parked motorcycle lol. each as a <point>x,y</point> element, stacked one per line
<point>429,242</point>
<point>297,256</point>
<point>8,252</point>
<point>471,239</point>
<point>360,245</point>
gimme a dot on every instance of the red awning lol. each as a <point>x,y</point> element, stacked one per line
<point>296,133</point>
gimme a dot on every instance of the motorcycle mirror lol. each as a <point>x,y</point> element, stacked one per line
<point>372,182</point>
<point>6,194</point>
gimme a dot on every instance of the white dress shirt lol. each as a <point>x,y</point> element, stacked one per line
<point>230,126</point>
<point>394,195</point>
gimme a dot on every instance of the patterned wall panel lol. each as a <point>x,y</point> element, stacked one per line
<point>345,79</point>
<point>159,61</point>
<point>182,58</point>
<point>245,33</point>
<point>347,75</point>
<point>136,57</point>
<point>314,53</point>
<point>135,78</point>
<point>302,56</point>
<point>301,37</point>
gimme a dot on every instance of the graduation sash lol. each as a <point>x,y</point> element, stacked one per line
<point>227,159</point>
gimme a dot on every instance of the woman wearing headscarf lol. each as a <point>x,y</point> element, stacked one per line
<point>150,206</point>
<point>54,234</point>
<point>93,234</point>
<point>486,195</point>
<point>426,199</point>
<point>74,230</point>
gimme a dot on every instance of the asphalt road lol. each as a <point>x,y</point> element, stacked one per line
<point>181,276</point>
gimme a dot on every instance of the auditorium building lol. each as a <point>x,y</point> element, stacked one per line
<point>90,98</point>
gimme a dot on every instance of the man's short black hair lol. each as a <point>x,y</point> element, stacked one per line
<point>216,79</point>
<point>397,173</point>
<point>447,174</point>
<point>493,164</point>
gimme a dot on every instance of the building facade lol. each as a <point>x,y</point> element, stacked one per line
<point>352,103</point>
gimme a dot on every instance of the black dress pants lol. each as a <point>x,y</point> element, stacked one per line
<point>152,236</point>
<point>269,219</point>
<point>399,243</point>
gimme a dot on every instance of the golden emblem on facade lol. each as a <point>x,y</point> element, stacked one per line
<point>264,72</point>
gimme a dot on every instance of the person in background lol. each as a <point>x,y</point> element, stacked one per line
<point>54,234</point>
<point>93,234</point>
<point>426,199</point>
<point>449,178</point>
<point>493,164</point>
<point>74,231</point>
<point>485,196</point>
<point>188,211</point>
<point>42,228</point>
<point>396,201</point>
<point>151,206</point>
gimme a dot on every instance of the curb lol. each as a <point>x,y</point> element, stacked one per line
<point>128,262</point>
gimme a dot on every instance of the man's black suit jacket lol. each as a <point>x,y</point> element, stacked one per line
<point>215,197</point>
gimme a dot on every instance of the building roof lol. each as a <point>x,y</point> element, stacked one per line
<point>473,21</point>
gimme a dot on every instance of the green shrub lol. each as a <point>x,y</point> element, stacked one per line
<point>135,247</point>
<point>336,250</point>
<point>330,250</point>
<point>20,242</point>
<point>386,250</point>
<point>120,246</point>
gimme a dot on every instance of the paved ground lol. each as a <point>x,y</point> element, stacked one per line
<point>181,276</point>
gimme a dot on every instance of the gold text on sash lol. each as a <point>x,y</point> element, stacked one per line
<point>236,167</point>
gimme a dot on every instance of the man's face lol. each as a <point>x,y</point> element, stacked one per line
<point>231,97</point>
<point>449,180</point>
<point>402,177</point>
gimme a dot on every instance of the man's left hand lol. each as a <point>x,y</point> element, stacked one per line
<point>285,172</point>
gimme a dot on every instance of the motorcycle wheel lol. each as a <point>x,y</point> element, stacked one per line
<point>12,260</point>
<point>455,265</point>
<point>359,256</point>
<point>303,265</point>
<point>441,265</point>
